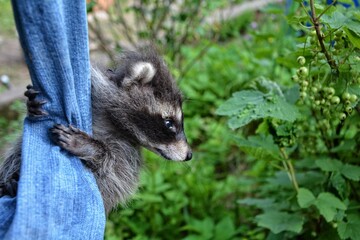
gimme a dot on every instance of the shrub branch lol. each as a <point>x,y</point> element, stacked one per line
<point>316,22</point>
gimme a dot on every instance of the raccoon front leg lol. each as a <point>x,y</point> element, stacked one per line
<point>79,143</point>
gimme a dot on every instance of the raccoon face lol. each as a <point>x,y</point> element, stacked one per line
<point>152,104</point>
<point>163,133</point>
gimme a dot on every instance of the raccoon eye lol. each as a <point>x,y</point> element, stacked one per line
<point>169,124</point>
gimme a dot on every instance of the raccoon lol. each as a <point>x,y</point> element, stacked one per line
<point>137,104</point>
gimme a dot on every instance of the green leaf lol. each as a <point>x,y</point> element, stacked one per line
<point>277,107</point>
<point>335,20</point>
<point>346,146</point>
<point>353,37</point>
<point>350,229</point>
<point>240,101</point>
<point>280,221</point>
<point>225,229</point>
<point>203,227</point>
<point>329,165</point>
<point>249,105</point>
<point>353,25</point>
<point>328,205</point>
<point>339,183</point>
<point>305,198</point>
<point>266,86</point>
<point>351,172</point>
<point>260,147</point>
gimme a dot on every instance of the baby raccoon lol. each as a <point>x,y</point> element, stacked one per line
<point>137,104</point>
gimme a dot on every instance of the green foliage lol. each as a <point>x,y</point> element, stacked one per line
<point>181,200</point>
<point>6,18</point>
<point>260,147</point>
<point>11,123</point>
<point>280,221</point>
<point>310,143</point>
<point>250,105</point>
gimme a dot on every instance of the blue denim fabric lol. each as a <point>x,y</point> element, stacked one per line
<point>57,196</point>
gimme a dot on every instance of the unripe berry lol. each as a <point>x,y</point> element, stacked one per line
<point>303,88</point>
<point>317,102</point>
<point>335,100</point>
<point>295,78</point>
<point>349,109</point>
<point>303,95</point>
<point>313,33</point>
<point>330,90</point>
<point>304,83</point>
<point>339,33</point>
<point>314,90</point>
<point>301,60</point>
<point>353,98</point>
<point>347,103</point>
<point>302,72</point>
<point>342,116</point>
<point>346,96</point>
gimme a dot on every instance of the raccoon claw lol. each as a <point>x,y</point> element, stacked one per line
<point>71,139</point>
<point>31,93</point>
<point>34,106</point>
<point>34,110</point>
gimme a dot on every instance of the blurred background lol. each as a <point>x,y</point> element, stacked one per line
<point>214,48</point>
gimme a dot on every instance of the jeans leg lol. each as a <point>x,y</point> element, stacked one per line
<point>57,197</point>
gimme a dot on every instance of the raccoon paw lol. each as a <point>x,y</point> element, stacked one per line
<point>75,141</point>
<point>34,106</point>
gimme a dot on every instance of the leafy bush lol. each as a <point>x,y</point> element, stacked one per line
<point>306,134</point>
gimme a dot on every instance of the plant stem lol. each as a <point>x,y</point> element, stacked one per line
<point>316,22</point>
<point>290,169</point>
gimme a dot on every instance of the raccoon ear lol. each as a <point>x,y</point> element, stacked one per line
<point>141,73</point>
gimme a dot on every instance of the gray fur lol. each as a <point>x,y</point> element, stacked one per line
<point>130,107</point>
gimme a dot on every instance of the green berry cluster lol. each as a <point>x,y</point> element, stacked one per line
<point>301,77</point>
<point>340,41</point>
<point>329,104</point>
<point>323,99</point>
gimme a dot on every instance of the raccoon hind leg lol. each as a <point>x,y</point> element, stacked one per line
<point>33,105</point>
<point>9,188</point>
<point>10,169</point>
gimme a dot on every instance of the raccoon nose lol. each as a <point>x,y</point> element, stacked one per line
<point>188,156</point>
